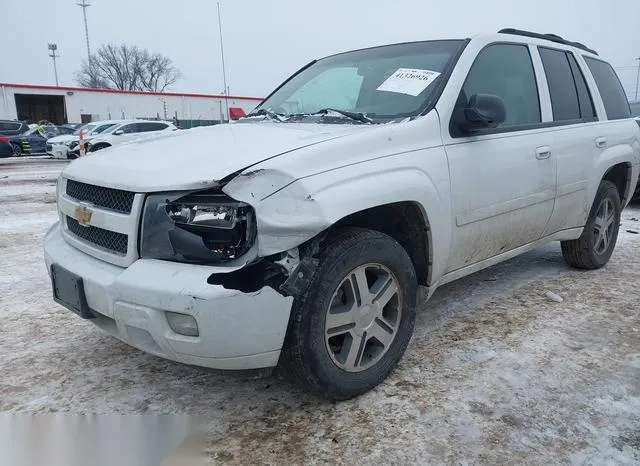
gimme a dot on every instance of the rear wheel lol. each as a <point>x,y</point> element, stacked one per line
<point>17,150</point>
<point>352,325</point>
<point>598,240</point>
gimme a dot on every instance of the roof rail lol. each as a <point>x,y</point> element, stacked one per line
<point>551,37</point>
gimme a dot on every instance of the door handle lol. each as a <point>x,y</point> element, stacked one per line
<point>543,152</point>
<point>601,142</point>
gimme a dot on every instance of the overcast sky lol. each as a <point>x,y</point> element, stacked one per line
<point>266,40</point>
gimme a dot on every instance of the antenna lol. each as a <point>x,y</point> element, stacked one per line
<point>224,72</point>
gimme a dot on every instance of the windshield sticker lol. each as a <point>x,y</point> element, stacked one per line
<point>408,81</point>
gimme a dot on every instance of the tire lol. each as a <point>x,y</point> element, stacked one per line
<point>17,150</point>
<point>590,251</point>
<point>324,364</point>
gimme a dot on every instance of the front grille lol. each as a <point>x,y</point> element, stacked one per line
<point>108,198</point>
<point>110,240</point>
<point>49,147</point>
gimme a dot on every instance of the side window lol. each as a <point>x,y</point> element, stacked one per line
<point>10,126</point>
<point>145,127</point>
<point>611,91</point>
<point>506,70</point>
<point>587,110</point>
<point>562,87</point>
<point>131,128</point>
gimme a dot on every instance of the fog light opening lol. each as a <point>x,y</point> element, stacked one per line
<point>183,324</point>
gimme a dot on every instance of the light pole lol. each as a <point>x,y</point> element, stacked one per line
<point>52,54</point>
<point>638,78</point>
<point>84,5</point>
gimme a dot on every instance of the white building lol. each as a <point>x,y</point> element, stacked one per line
<point>61,104</point>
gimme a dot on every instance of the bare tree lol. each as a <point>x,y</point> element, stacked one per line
<point>129,68</point>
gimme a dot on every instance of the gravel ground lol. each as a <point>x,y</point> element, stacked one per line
<point>497,373</point>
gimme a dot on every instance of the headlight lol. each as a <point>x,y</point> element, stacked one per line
<point>68,143</point>
<point>197,227</point>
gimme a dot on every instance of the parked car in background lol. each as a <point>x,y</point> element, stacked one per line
<point>129,131</point>
<point>34,141</point>
<point>13,127</point>
<point>6,149</point>
<point>74,125</point>
<point>59,146</point>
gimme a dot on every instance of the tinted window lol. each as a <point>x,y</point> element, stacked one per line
<point>613,96</point>
<point>144,127</point>
<point>587,110</point>
<point>7,126</point>
<point>506,70</point>
<point>131,128</point>
<point>564,96</point>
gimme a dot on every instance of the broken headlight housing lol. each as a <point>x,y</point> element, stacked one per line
<point>197,227</point>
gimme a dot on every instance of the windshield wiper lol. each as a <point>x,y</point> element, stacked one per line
<point>280,117</point>
<point>356,116</point>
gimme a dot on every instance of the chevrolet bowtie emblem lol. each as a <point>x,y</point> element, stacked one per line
<point>83,215</point>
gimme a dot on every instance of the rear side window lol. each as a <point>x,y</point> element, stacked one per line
<point>8,126</point>
<point>506,70</point>
<point>570,99</point>
<point>131,128</point>
<point>613,96</point>
<point>145,127</point>
<point>587,110</point>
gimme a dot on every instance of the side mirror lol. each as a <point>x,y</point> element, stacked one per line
<point>118,132</point>
<point>481,112</point>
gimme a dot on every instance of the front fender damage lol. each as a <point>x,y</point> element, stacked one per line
<point>291,226</point>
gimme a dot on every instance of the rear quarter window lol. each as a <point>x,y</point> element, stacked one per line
<point>9,126</point>
<point>610,88</point>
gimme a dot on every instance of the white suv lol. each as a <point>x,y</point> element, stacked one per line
<point>129,131</point>
<point>60,146</point>
<point>298,236</point>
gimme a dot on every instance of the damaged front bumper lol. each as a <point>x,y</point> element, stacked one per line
<point>236,330</point>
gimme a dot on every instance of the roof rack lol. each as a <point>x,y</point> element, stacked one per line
<point>551,37</point>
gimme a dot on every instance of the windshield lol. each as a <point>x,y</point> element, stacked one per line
<point>383,83</point>
<point>85,129</point>
<point>102,128</point>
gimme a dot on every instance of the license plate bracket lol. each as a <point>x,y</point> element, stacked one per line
<point>68,291</point>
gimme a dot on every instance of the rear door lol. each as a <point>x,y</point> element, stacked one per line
<point>503,180</point>
<point>574,143</point>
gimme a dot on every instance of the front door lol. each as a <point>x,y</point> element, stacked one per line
<point>503,181</point>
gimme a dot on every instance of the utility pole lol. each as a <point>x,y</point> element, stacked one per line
<point>224,72</point>
<point>164,107</point>
<point>84,5</point>
<point>638,78</point>
<point>52,54</point>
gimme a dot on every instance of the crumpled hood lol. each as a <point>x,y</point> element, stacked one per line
<point>195,158</point>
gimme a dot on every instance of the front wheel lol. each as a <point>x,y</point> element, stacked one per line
<point>350,328</point>
<point>598,240</point>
